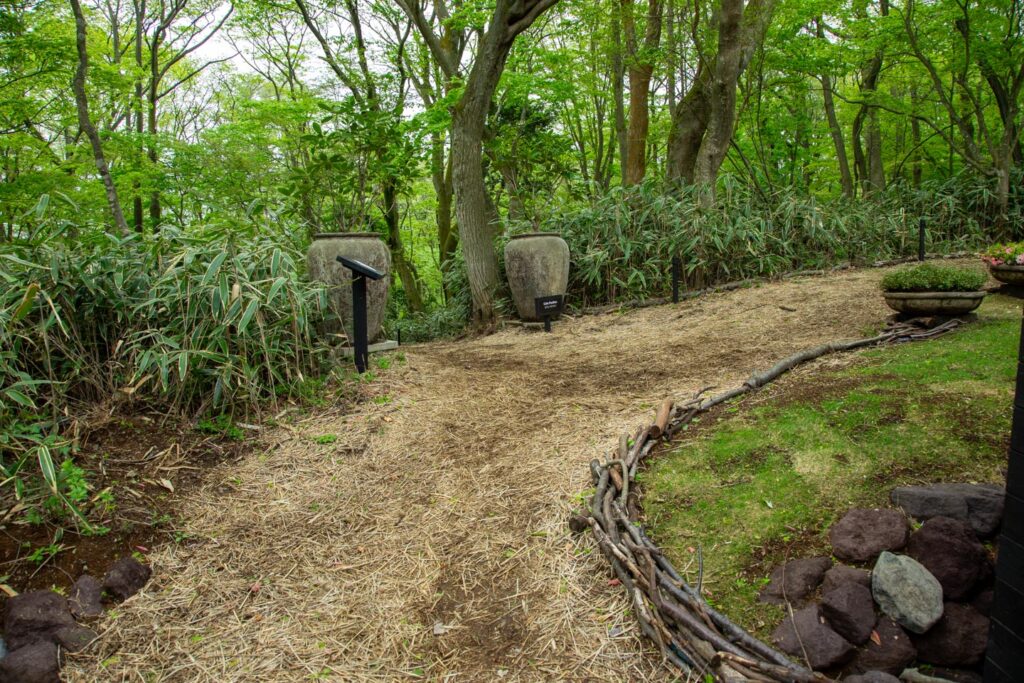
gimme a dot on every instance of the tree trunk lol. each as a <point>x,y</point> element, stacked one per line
<point>689,121</point>
<point>721,96</point>
<point>640,72</point>
<point>140,13</point>
<point>85,123</point>
<point>618,92</point>
<point>474,209</point>
<point>876,171</point>
<point>835,129</point>
<point>403,266</point>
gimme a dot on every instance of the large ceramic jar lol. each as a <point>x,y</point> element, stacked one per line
<point>323,266</point>
<point>537,264</point>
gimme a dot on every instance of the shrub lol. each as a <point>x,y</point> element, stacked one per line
<point>187,321</point>
<point>623,243</point>
<point>929,277</point>
<point>1011,254</point>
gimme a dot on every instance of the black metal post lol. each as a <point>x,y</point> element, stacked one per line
<point>360,345</point>
<point>920,240</point>
<point>677,273</point>
<point>547,323</point>
<point>1004,659</point>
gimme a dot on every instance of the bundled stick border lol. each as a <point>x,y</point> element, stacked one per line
<point>690,634</point>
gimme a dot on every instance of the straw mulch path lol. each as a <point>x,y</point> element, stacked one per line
<point>430,540</point>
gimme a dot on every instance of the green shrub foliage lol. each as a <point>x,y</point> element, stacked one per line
<point>203,320</point>
<point>931,277</point>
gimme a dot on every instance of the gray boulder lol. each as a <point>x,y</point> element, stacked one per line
<point>850,612</point>
<point>842,574</point>
<point>806,631</point>
<point>949,550</point>
<point>862,534</point>
<point>906,591</point>
<point>957,640</point>
<point>795,580</point>
<point>980,506</point>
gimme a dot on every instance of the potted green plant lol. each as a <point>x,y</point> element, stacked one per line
<point>1006,262</point>
<point>930,289</point>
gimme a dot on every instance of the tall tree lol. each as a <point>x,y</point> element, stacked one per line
<point>640,60</point>
<point>85,122</point>
<point>704,119</point>
<point>474,207</point>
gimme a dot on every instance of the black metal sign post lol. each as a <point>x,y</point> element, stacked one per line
<point>360,345</point>
<point>920,240</point>
<point>677,274</point>
<point>1004,660</point>
<point>548,308</point>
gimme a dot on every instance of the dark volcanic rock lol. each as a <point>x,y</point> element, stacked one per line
<point>983,601</point>
<point>824,647</point>
<point>892,653</point>
<point>980,506</point>
<point>86,599</point>
<point>850,611</point>
<point>795,580</point>
<point>34,616</point>
<point>906,591</point>
<point>872,677</point>
<point>842,574</point>
<point>126,578</point>
<point>958,639</point>
<point>33,663</point>
<point>862,534</point>
<point>74,638</point>
<point>950,551</point>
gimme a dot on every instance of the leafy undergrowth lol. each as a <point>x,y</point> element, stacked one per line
<point>762,480</point>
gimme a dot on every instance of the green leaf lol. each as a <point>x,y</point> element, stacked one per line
<point>47,468</point>
<point>215,265</point>
<point>250,311</point>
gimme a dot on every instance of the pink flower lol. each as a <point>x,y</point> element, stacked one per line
<point>1020,260</point>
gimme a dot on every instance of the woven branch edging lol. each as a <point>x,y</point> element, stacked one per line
<point>691,634</point>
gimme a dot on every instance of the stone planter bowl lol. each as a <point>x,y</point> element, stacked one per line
<point>934,303</point>
<point>536,264</point>
<point>1011,275</point>
<point>322,264</point>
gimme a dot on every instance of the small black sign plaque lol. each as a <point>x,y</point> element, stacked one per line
<point>549,307</point>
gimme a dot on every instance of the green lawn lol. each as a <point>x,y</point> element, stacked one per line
<point>763,479</point>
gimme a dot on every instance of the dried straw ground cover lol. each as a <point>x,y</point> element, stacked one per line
<point>429,539</point>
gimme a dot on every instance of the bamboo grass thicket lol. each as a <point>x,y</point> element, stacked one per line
<point>184,322</point>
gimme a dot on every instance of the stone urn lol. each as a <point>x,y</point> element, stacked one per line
<point>933,303</point>
<point>322,264</point>
<point>1011,275</point>
<point>537,264</point>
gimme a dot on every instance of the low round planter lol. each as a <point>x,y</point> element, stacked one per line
<point>934,303</point>
<point>322,264</point>
<point>1011,275</point>
<point>537,264</point>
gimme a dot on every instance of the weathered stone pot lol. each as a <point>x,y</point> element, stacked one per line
<point>322,264</point>
<point>537,264</point>
<point>934,303</point>
<point>1011,275</point>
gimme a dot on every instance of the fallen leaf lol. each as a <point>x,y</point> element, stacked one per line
<point>440,629</point>
<point>614,582</point>
<point>166,483</point>
<point>875,638</point>
<point>142,549</point>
